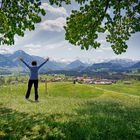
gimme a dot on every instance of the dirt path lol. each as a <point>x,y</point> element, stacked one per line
<point>122,93</point>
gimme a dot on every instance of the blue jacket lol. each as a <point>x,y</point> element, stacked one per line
<point>34,70</point>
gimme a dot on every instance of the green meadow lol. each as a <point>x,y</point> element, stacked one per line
<point>71,112</point>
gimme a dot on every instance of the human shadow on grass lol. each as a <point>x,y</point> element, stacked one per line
<point>93,120</point>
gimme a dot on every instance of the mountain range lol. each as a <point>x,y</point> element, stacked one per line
<point>12,63</point>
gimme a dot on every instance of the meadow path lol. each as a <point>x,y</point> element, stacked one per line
<point>107,90</point>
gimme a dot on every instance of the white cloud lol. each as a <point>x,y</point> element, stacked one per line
<point>40,47</point>
<point>99,50</point>
<point>102,40</point>
<point>56,45</point>
<point>33,46</point>
<point>4,51</point>
<point>69,49</point>
<point>54,25</point>
<point>63,60</point>
<point>106,48</point>
<point>57,11</point>
<point>103,49</point>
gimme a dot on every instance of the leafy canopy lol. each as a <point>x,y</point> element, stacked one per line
<point>117,19</point>
<point>16,16</point>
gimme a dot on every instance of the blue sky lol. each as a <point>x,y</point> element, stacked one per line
<point>48,40</point>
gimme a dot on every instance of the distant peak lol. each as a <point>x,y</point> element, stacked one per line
<point>77,60</point>
<point>19,51</point>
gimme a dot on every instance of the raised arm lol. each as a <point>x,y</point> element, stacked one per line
<point>24,63</point>
<point>43,63</point>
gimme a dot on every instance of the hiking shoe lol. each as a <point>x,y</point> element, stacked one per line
<point>26,98</point>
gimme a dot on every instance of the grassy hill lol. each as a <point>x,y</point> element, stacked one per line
<point>71,112</point>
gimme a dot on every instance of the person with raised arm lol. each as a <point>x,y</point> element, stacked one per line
<point>33,77</point>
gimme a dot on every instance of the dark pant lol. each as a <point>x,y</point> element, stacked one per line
<point>30,83</point>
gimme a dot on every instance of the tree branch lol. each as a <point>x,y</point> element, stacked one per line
<point>107,4</point>
<point>102,17</point>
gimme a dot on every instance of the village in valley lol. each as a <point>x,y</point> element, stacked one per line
<point>57,78</point>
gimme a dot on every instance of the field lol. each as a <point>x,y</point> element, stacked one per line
<point>71,112</point>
